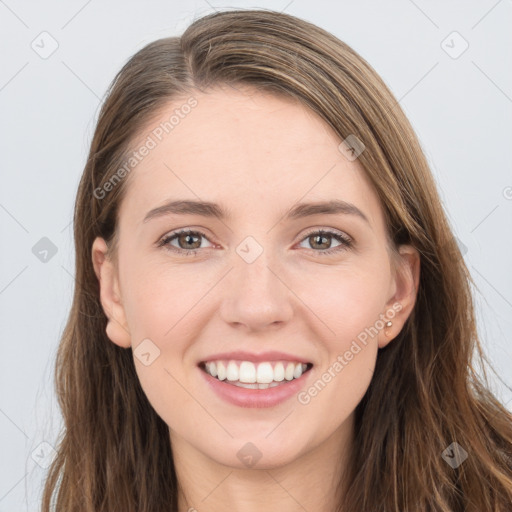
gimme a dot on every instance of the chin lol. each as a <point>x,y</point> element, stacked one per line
<point>256,452</point>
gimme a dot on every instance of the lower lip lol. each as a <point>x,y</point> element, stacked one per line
<point>244,397</point>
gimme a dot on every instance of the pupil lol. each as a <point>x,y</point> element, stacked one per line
<point>189,239</point>
<point>320,237</point>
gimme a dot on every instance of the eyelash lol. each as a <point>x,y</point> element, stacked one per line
<point>345,241</point>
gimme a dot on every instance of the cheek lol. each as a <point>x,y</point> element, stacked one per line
<point>349,303</point>
<point>347,300</point>
<point>166,304</point>
<point>163,306</point>
<point>161,300</point>
<point>336,389</point>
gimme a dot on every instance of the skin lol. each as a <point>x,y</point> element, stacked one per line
<point>257,155</point>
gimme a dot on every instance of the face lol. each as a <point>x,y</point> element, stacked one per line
<point>272,286</point>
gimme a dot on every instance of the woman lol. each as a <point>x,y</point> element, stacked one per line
<point>311,349</point>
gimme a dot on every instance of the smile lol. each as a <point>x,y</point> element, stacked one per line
<point>263,375</point>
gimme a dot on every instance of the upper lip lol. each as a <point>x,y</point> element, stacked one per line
<point>256,358</point>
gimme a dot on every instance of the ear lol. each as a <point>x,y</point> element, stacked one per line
<point>117,328</point>
<point>400,305</point>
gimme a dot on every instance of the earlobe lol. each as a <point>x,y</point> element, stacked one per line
<point>117,328</point>
<point>400,306</point>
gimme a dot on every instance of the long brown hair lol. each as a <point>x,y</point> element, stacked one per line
<point>114,452</point>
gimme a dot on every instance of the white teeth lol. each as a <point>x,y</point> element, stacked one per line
<point>279,372</point>
<point>288,373</point>
<point>255,376</point>
<point>212,368</point>
<point>247,372</point>
<point>265,374</point>
<point>221,371</point>
<point>244,385</point>
<point>232,371</point>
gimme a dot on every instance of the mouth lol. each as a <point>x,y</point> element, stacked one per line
<point>251,375</point>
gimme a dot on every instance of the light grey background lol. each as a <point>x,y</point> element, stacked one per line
<point>460,107</point>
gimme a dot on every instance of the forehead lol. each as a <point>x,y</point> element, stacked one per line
<point>246,149</point>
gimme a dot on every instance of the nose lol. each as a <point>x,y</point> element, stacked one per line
<point>257,296</point>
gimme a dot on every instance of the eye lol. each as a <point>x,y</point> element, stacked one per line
<point>189,242</point>
<point>324,237</point>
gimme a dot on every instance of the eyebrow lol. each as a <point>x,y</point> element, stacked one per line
<point>209,209</point>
